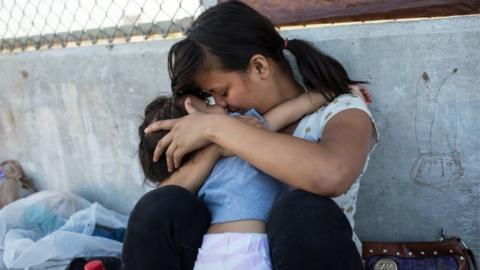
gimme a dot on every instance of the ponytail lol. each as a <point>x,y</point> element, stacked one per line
<point>320,72</point>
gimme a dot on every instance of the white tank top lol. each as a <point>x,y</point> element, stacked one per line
<point>311,128</point>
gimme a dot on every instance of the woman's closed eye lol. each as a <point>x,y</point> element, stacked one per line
<point>225,93</point>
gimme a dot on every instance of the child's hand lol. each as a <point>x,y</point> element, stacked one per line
<point>362,92</point>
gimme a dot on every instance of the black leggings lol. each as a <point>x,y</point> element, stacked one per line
<point>305,231</point>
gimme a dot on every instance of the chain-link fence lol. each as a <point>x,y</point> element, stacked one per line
<point>39,24</point>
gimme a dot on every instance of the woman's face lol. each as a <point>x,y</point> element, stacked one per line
<point>236,91</point>
<point>262,85</point>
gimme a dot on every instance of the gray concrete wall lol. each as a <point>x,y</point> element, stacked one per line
<point>70,116</point>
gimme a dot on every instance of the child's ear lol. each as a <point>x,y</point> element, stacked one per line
<point>259,66</point>
<point>194,104</point>
<point>189,106</point>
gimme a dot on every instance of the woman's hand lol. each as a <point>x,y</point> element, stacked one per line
<point>186,135</point>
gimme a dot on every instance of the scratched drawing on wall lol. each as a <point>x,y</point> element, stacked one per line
<point>438,162</point>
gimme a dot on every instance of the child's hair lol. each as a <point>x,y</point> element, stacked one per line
<point>159,109</point>
<point>227,35</point>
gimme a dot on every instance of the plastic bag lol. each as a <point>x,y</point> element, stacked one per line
<point>55,226</point>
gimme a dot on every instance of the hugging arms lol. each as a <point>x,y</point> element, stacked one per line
<point>158,170</point>
<point>261,148</point>
<point>236,56</point>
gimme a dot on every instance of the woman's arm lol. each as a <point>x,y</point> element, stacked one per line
<point>327,168</point>
<point>193,173</point>
<point>292,110</point>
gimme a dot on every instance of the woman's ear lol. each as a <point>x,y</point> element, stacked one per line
<point>259,67</point>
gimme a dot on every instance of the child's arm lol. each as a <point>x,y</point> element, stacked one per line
<point>292,110</point>
<point>193,173</point>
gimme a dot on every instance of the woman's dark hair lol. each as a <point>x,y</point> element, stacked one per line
<point>159,109</point>
<point>227,35</point>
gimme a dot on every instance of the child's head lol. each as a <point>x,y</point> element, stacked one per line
<point>163,108</point>
<point>160,109</point>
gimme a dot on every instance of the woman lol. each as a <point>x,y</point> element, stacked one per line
<point>234,54</point>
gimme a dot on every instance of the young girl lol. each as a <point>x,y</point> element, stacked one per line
<point>238,196</point>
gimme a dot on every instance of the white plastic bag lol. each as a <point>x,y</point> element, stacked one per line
<point>52,225</point>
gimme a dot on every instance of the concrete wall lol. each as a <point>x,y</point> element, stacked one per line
<point>70,116</point>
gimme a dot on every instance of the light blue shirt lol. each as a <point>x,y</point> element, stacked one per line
<point>235,190</point>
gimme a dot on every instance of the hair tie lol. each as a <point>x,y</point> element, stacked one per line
<point>285,44</point>
<point>292,63</point>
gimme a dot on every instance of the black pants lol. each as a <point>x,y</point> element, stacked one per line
<point>305,231</point>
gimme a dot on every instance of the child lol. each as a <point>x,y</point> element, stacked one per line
<point>238,195</point>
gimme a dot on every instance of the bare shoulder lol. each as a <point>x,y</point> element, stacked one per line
<point>351,122</point>
<point>349,135</point>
